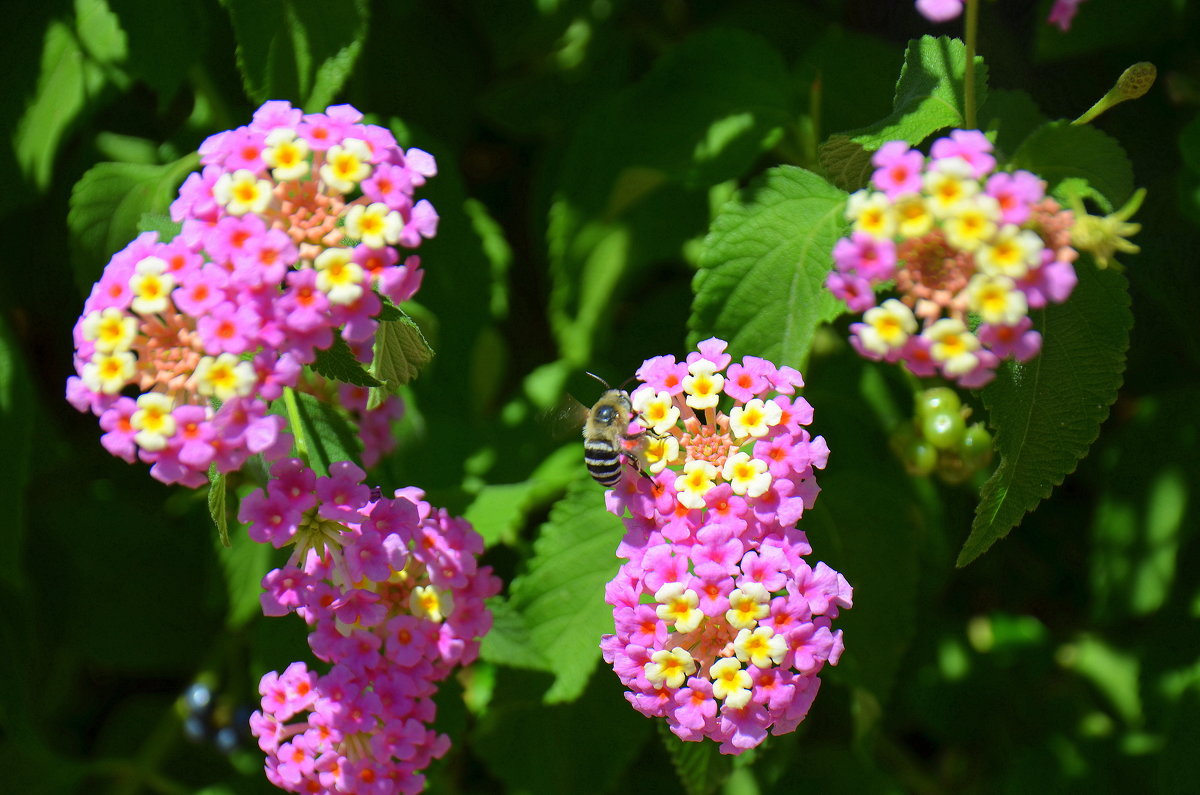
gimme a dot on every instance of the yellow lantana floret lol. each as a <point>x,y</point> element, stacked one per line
<point>972,223</point>
<point>153,421</point>
<point>913,216</point>
<point>1012,253</point>
<point>703,385</point>
<point>670,668</point>
<point>109,329</point>
<point>948,184</point>
<point>872,213</point>
<point>747,476</point>
<point>658,451</point>
<point>677,605</point>
<point>754,419</point>
<point>151,286</point>
<point>747,605</point>
<point>952,346</point>
<point>760,647</point>
<point>697,478</point>
<point>223,377</point>
<point>286,155</point>
<point>339,276</point>
<point>996,300</point>
<point>730,683</point>
<point>108,373</point>
<point>242,192</point>
<point>346,165</point>
<point>426,601</point>
<point>887,327</point>
<point>656,411</point>
<point>376,225</point>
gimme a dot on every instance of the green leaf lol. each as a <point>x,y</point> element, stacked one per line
<point>338,363</point>
<point>216,505</point>
<point>500,510</point>
<point>561,594</point>
<point>158,222</point>
<point>68,78</point>
<point>1008,117</point>
<point>701,767</point>
<point>108,204</point>
<point>302,50</point>
<point>1048,412</point>
<point>323,433</point>
<point>165,40</point>
<point>1061,151</point>
<point>929,93</point>
<point>761,283</point>
<point>632,181</point>
<point>845,163</point>
<point>244,562</point>
<point>400,353</point>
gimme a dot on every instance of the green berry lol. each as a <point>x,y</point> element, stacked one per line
<point>943,429</point>
<point>953,469</point>
<point>941,398</point>
<point>920,458</point>
<point>976,447</point>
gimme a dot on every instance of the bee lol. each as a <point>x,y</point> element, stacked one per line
<point>605,433</point>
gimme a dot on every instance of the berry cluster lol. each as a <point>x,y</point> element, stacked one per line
<point>721,627</point>
<point>395,600</point>
<point>957,241</point>
<point>288,237</point>
<point>939,439</point>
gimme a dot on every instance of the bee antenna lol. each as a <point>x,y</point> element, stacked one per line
<point>598,378</point>
<point>625,383</point>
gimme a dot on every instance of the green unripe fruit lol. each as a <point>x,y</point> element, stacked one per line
<point>976,447</point>
<point>943,429</point>
<point>938,399</point>
<point>920,458</point>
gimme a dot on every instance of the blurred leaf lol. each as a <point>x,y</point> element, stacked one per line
<point>165,40</point>
<point>929,93</point>
<point>158,222</point>
<point>561,594</point>
<point>107,206</point>
<point>761,283</point>
<point>300,50</point>
<point>1009,116</point>
<point>707,110</point>
<point>845,163</point>
<point>216,505</point>
<point>701,767</point>
<point>338,363</point>
<point>324,433</point>
<point>69,79</point>
<point>1060,150</point>
<point>245,563</point>
<point>16,429</point>
<point>1048,412</point>
<point>1113,671</point>
<point>587,745</point>
<point>400,353</point>
<point>1179,764</point>
<point>500,510</point>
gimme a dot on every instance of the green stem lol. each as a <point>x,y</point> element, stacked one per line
<point>972,28</point>
<point>293,411</point>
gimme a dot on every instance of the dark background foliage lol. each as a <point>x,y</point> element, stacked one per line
<point>575,197</point>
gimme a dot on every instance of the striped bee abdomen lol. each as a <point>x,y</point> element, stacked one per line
<point>603,461</point>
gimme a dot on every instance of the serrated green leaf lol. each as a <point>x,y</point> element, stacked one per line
<point>701,767</point>
<point>762,273</point>
<point>108,204</point>
<point>929,93</point>
<point>338,363</point>
<point>323,433</point>
<point>561,594</point>
<point>1048,412</point>
<point>1008,117</point>
<point>297,49</point>
<point>1060,150</point>
<point>216,506</point>
<point>400,353</point>
<point>846,164</point>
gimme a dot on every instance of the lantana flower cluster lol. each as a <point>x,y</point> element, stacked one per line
<point>395,600</point>
<point>721,626</point>
<point>956,242</point>
<point>289,235</point>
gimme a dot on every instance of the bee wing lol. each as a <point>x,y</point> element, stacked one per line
<point>565,418</point>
